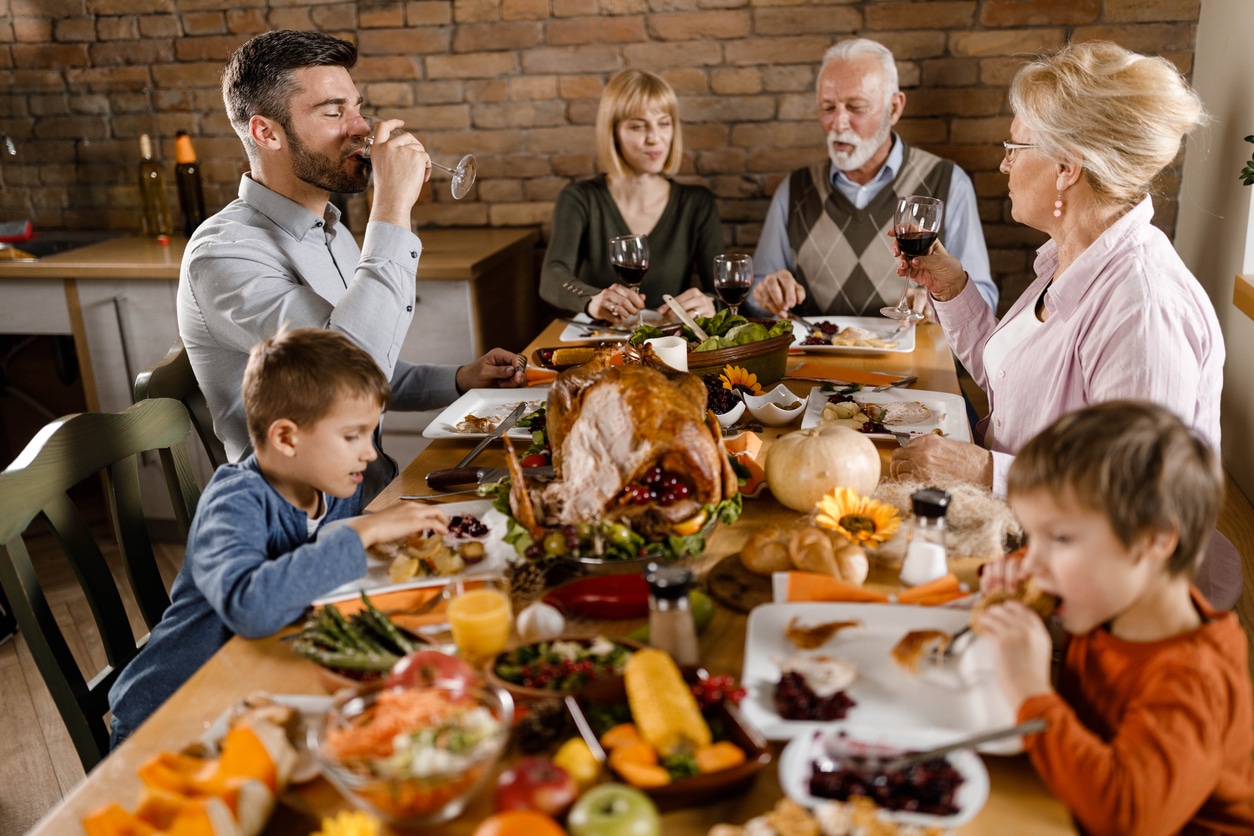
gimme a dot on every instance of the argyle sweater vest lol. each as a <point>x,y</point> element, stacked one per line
<point>842,254</point>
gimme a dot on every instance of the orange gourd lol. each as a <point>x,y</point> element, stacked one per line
<point>719,756</point>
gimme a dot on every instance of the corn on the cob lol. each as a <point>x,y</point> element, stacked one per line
<point>662,704</point>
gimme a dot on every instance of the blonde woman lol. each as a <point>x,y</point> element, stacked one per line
<point>639,145</point>
<point>1113,312</point>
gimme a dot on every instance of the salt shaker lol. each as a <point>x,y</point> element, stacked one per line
<point>671,626</point>
<point>925,553</point>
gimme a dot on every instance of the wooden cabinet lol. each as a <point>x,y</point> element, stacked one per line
<point>476,289</point>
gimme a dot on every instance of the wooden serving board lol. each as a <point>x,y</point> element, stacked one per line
<point>735,587</point>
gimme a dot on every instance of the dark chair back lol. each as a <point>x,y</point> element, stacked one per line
<point>37,483</point>
<point>173,378</point>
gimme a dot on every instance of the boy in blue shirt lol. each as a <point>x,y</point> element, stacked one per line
<point>254,559</point>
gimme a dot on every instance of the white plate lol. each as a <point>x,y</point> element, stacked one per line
<point>311,709</point>
<point>796,759</point>
<point>486,403</point>
<point>958,698</point>
<point>949,412</point>
<point>574,333</point>
<point>497,554</point>
<point>874,324</point>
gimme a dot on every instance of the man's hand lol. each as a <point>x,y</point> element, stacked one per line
<point>934,458</point>
<point>403,520</point>
<point>498,369</point>
<point>694,301</point>
<point>778,293</point>
<point>401,165</point>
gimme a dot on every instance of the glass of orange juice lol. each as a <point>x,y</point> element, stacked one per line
<point>480,617</point>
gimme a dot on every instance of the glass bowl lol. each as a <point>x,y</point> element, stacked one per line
<point>453,750</point>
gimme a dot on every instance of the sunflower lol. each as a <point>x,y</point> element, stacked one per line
<point>862,520</point>
<point>736,379</point>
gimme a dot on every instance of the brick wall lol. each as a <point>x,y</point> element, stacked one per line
<point>516,82</point>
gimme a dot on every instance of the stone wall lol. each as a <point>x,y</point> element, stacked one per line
<point>516,82</point>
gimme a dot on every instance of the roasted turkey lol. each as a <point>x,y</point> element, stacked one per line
<point>610,427</point>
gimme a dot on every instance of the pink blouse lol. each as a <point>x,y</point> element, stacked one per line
<point>1127,320</point>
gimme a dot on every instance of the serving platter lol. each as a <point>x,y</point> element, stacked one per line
<point>584,328</point>
<point>954,699</point>
<point>874,324</point>
<point>949,411</point>
<point>796,759</point>
<point>486,403</point>
<point>497,555</point>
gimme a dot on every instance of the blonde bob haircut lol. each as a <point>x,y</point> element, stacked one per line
<point>1122,116</point>
<point>631,94</point>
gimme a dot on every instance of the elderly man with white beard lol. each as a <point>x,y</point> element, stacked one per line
<point>824,248</point>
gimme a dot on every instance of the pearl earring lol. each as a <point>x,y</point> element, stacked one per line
<point>1058,206</point>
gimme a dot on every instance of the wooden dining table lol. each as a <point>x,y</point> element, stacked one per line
<point>1018,802</point>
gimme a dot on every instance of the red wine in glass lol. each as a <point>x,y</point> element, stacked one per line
<point>915,226</point>
<point>915,244</point>
<point>733,277</point>
<point>630,256</point>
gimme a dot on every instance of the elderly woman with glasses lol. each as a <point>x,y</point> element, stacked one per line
<point>1113,312</point>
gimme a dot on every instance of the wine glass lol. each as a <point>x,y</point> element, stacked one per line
<point>630,256</point>
<point>916,226</point>
<point>733,277</point>
<point>463,175</point>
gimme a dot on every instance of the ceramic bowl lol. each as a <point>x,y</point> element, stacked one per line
<point>770,408</point>
<point>731,416</point>
<point>577,684</point>
<point>766,358</point>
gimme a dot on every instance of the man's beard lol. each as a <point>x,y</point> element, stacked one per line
<point>863,149</point>
<point>323,172</point>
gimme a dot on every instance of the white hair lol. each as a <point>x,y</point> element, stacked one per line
<point>855,47</point>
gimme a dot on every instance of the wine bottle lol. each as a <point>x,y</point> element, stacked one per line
<point>187,178</point>
<point>156,215</point>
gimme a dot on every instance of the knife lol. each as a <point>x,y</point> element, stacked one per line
<point>444,479</point>
<point>497,432</point>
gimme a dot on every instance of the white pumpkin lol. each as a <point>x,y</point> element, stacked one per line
<point>803,466</point>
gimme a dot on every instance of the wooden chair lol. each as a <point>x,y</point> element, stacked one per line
<point>63,454</point>
<point>173,378</point>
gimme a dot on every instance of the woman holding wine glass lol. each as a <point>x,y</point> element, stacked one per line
<point>1113,312</point>
<point>639,144</point>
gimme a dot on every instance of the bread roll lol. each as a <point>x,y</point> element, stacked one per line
<point>766,552</point>
<point>811,551</point>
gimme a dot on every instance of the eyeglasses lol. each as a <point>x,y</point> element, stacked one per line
<point>1012,149</point>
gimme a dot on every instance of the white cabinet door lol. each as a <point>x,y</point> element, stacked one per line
<point>130,325</point>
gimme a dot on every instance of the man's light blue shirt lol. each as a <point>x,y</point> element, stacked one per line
<point>964,236</point>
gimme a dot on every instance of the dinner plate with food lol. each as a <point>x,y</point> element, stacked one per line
<point>884,414</point>
<point>810,665</point>
<point>845,766</point>
<point>475,545</point>
<point>583,327</point>
<point>853,335</point>
<point>479,411</point>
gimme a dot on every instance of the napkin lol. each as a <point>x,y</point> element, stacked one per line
<point>792,587</point>
<point>817,371</point>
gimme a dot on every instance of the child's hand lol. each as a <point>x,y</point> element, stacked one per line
<point>399,521</point>
<point>1007,573</point>
<point>1023,648</point>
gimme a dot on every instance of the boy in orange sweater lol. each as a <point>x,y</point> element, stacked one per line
<point>1151,725</point>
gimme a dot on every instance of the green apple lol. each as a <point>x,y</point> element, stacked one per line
<point>614,810</point>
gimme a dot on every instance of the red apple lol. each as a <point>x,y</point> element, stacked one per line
<point>425,667</point>
<point>536,784</point>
